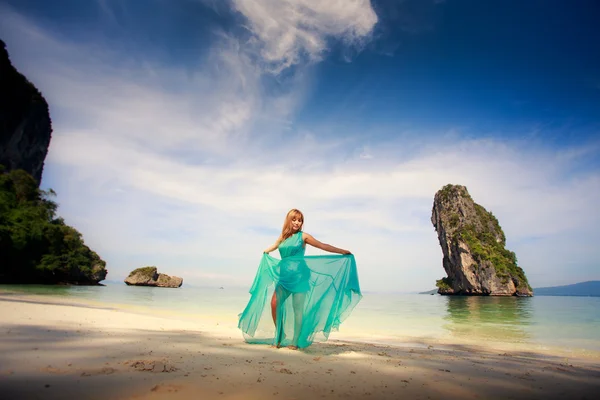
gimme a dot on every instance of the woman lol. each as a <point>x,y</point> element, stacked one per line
<point>311,294</point>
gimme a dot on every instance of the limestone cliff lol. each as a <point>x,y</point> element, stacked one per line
<point>473,245</point>
<point>36,245</point>
<point>149,276</point>
<point>25,126</point>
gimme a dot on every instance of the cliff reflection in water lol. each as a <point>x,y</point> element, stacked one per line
<point>489,317</point>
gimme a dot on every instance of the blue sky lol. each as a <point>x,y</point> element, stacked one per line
<point>184,130</point>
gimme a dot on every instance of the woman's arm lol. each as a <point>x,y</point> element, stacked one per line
<point>274,246</point>
<point>327,247</point>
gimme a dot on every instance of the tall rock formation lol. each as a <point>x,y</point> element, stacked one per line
<point>25,126</point>
<point>473,244</point>
<point>36,246</point>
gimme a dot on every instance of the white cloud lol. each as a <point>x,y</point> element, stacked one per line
<point>194,173</point>
<point>286,32</point>
<point>381,213</point>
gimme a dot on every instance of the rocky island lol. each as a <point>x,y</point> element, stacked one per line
<point>36,246</point>
<point>149,276</point>
<point>475,258</point>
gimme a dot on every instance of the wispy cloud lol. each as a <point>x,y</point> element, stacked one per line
<point>106,9</point>
<point>288,32</point>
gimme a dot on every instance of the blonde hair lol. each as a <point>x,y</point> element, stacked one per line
<point>286,232</point>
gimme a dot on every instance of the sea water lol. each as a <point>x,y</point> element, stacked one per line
<point>571,323</point>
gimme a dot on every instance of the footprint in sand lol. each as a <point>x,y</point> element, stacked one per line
<point>99,371</point>
<point>53,370</point>
<point>165,388</point>
<point>151,365</point>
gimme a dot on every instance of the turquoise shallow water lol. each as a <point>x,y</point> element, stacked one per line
<point>541,321</point>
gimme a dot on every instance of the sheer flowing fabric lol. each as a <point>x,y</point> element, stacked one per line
<point>315,294</point>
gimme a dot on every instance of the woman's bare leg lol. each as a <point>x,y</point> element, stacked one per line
<point>298,303</point>
<point>274,308</point>
<point>282,295</point>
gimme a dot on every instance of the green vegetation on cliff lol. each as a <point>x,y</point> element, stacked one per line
<point>445,284</point>
<point>36,246</point>
<point>146,272</point>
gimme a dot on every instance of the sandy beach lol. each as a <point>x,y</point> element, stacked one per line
<point>52,349</point>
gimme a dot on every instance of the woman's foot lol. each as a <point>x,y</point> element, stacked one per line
<point>293,347</point>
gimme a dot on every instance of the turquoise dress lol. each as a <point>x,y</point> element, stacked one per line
<point>315,294</point>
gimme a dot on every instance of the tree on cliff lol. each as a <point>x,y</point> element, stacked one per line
<point>36,246</point>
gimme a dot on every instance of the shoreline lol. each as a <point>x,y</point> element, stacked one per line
<point>217,323</point>
<point>50,350</point>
